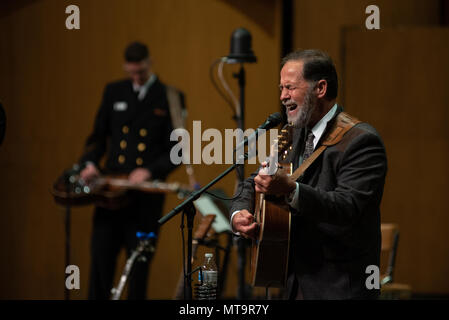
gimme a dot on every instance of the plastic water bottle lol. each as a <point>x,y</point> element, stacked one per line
<point>207,279</point>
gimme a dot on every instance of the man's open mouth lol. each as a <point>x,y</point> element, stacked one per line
<point>291,107</point>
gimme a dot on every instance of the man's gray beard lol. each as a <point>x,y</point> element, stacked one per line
<point>305,112</point>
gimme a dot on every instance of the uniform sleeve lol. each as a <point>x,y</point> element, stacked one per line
<point>95,146</point>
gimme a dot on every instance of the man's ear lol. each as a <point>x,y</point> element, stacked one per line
<point>321,88</point>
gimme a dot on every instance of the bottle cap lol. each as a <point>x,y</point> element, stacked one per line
<point>145,236</point>
<point>208,255</point>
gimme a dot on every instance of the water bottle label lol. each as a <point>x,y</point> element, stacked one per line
<point>210,276</point>
<point>207,289</point>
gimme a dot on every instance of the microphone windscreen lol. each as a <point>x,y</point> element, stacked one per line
<point>275,118</point>
<point>241,50</point>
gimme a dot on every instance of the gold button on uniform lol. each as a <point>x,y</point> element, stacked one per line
<point>123,144</point>
<point>125,129</point>
<point>143,132</point>
<point>141,147</point>
<point>139,161</point>
<point>121,159</point>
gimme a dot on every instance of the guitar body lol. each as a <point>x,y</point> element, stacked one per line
<point>269,253</point>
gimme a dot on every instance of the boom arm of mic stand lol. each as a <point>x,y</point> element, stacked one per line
<point>197,194</point>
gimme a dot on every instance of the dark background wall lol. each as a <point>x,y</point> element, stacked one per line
<point>51,81</point>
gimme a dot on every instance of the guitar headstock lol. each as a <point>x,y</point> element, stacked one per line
<point>284,141</point>
<point>279,150</point>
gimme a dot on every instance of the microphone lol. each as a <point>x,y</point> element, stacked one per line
<point>241,50</point>
<point>272,121</point>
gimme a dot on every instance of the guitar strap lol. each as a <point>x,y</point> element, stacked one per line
<point>178,116</point>
<point>177,113</point>
<point>343,124</point>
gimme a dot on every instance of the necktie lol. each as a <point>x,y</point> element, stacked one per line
<point>308,150</point>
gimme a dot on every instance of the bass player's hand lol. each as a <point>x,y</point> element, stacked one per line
<point>139,175</point>
<point>89,173</point>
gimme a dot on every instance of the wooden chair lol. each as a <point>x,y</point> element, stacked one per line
<point>391,290</point>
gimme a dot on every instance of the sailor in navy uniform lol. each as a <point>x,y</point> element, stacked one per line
<point>132,128</point>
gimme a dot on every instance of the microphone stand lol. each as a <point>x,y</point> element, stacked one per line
<point>242,244</point>
<point>189,210</point>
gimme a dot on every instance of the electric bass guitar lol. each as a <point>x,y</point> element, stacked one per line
<point>111,192</point>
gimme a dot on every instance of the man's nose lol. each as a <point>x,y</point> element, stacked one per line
<point>285,95</point>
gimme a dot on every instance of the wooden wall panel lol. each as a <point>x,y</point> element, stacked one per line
<point>321,23</point>
<point>51,81</point>
<point>396,80</point>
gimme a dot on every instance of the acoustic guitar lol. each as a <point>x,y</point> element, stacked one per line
<point>269,251</point>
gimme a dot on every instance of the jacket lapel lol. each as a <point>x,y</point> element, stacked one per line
<point>146,107</point>
<point>329,126</point>
<point>131,99</point>
<point>154,92</point>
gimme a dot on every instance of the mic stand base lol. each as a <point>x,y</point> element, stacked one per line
<point>189,212</point>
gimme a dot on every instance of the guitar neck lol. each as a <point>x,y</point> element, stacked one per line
<point>146,186</point>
